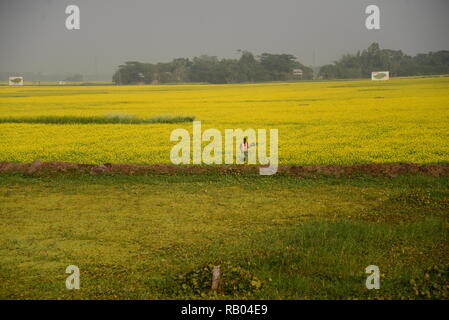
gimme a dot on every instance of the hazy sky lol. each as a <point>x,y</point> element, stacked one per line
<point>33,36</point>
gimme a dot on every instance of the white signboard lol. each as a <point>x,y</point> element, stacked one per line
<point>16,81</point>
<point>380,75</point>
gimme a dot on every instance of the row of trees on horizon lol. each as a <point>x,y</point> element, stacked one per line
<point>266,67</point>
<point>279,67</point>
<point>361,64</point>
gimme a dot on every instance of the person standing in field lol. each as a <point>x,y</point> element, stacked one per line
<point>244,149</point>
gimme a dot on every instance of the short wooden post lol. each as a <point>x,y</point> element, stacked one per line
<point>215,278</point>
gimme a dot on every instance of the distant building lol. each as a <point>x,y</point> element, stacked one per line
<point>297,73</point>
<point>16,81</point>
<point>380,75</point>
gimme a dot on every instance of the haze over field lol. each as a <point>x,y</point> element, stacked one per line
<point>33,37</point>
<point>242,151</point>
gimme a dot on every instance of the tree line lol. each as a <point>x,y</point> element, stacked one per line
<point>279,67</point>
<point>361,64</point>
<point>210,69</point>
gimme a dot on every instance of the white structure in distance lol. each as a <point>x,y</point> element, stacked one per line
<point>380,75</point>
<point>16,81</point>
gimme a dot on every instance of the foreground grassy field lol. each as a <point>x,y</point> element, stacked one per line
<point>157,236</point>
<point>280,237</point>
<point>340,122</point>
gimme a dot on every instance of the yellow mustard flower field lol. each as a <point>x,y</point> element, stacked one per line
<point>328,122</point>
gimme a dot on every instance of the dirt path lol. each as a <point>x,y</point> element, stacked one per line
<point>49,168</point>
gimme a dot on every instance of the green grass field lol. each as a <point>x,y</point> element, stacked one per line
<point>279,237</point>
